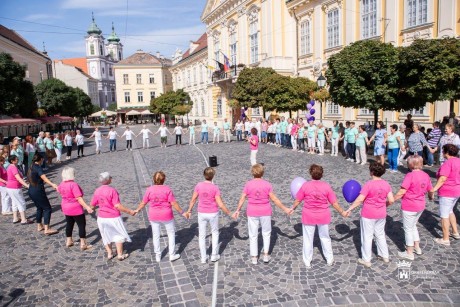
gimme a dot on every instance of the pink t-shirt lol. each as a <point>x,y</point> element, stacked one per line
<point>12,182</point>
<point>159,198</point>
<point>451,170</point>
<point>106,198</point>
<point>3,175</point>
<point>258,191</point>
<point>316,196</point>
<point>375,202</point>
<point>207,192</point>
<point>294,130</point>
<point>254,139</point>
<point>416,184</point>
<point>70,191</point>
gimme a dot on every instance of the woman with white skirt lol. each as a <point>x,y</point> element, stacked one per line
<point>109,219</point>
<point>161,200</point>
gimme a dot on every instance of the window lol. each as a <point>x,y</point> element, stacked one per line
<point>219,107</point>
<point>101,51</point>
<point>139,78</point>
<point>254,41</point>
<point>103,70</point>
<point>127,97</point>
<point>152,95</point>
<point>188,78</point>
<point>333,35</point>
<point>119,55</point>
<point>369,18</point>
<point>332,108</point>
<point>417,12</point>
<point>151,78</point>
<point>106,98</point>
<point>91,49</point>
<point>125,79</point>
<point>255,111</point>
<point>233,48</point>
<point>140,97</point>
<point>183,79</point>
<point>196,107</point>
<point>418,112</point>
<point>194,75</point>
<point>365,111</point>
<point>216,47</point>
<point>112,94</point>
<point>111,54</point>
<point>305,37</point>
<point>201,73</point>
<point>110,72</point>
<point>203,111</point>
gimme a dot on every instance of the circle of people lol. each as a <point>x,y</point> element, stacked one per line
<point>316,195</point>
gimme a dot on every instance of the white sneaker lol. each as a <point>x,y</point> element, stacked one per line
<point>363,163</point>
<point>406,255</point>
<point>266,258</point>
<point>349,159</point>
<point>205,260</point>
<point>158,258</point>
<point>307,264</point>
<point>365,263</point>
<point>357,162</point>
<point>385,260</point>
<point>330,263</point>
<point>254,260</point>
<point>215,258</point>
<point>417,251</point>
<point>174,257</point>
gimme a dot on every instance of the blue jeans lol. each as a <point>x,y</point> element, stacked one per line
<point>283,139</point>
<point>204,136</point>
<point>351,150</point>
<point>278,138</point>
<point>301,144</point>
<point>429,157</point>
<point>239,135</point>
<point>393,158</point>
<point>113,144</point>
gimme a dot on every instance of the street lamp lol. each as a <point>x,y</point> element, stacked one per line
<point>321,84</point>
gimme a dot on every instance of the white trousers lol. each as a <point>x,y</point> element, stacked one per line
<point>253,157</point>
<point>321,146</point>
<point>293,142</point>
<point>216,137</point>
<point>373,229</point>
<point>308,235</point>
<point>227,135</point>
<point>58,153</point>
<point>6,200</point>
<point>410,220</point>
<point>145,143</point>
<point>98,145</point>
<point>253,230</point>
<point>191,139</point>
<point>213,220</point>
<point>311,142</point>
<point>335,146</point>
<point>360,154</point>
<point>401,156</point>
<point>17,199</point>
<point>156,232</point>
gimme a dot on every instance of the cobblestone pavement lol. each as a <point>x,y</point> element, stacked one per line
<point>40,270</point>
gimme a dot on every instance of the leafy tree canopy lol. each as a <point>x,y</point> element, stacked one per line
<point>304,89</point>
<point>172,102</point>
<point>250,86</point>
<point>112,107</point>
<point>83,102</point>
<point>56,97</point>
<point>279,93</point>
<point>16,94</point>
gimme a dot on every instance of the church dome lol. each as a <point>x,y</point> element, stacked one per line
<point>93,28</point>
<point>113,38</point>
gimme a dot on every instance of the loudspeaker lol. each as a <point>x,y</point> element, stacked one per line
<point>212,161</point>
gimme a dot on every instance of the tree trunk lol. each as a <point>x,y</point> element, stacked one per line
<point>376,118</point>
<point>263,112</point>
<point>451,106</point>
<point>290,114</point>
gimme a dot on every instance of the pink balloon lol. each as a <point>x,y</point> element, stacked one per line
<point>296,184</point>
<point>309,106</point>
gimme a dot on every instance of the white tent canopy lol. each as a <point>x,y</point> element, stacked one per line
<point>133,112</point>
<point>99,113</point>
<point>146,112</point>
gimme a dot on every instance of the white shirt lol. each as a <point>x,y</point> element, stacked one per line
<point>289,128</point>
<point>178,130</point>
<point>145,133</point>
<point>163,131</point>
<point>112,135</point>
<point>97,135</point>
<point>247,126</point>
<point>239,126</point>
<point>68,140</point>
<point>129,135</point>
<point>79,138</point>
<point>30,148</point>
<point>258,124</point>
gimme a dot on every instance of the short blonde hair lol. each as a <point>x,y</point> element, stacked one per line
<point>68,173</point>
<point>257,170</point>
<point>104,178</point>
<point>415,162</point>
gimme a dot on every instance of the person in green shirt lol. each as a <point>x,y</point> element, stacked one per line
<point>58,145</point>
<point>394,144</point>
<point>284,135</point>
<point>334,138</point>
<point>321,137</point>
<point>311,134</point>
<point>351,142</point>
<point>300,137</point>
<point>361,141</point>
<point>344,138</point>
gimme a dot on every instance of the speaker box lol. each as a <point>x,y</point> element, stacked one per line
<point>212,161</point>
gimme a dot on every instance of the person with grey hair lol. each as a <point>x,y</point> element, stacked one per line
<point>417,141</point>
<point>41,147</point>
<point>72,205</point>
<point>109,219</point>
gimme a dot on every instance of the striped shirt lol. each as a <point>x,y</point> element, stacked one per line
<point>433,137</point>
<point>416,142</point>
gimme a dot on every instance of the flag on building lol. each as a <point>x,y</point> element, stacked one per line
<point>221,66</point>
<point>226,63</point>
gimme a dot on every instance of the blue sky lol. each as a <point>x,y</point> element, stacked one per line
<point>150,25</point>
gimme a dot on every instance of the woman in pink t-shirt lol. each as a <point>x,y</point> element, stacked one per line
<point>254,145</point>
<point>209,203</point>
<point>5,198</point>
<point>259,193</point>
<point>72,205</point>
<point>375,196</point>
<point>414,187</point>
<point>14,184</point>
<point>109,219</point>
<point>316,196</point>
<point>161,200</point>
<point>448,188</point>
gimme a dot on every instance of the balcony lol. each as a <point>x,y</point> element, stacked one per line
<point>231,75</point>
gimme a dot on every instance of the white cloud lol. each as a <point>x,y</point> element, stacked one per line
<point>101,4</point>
<point>41,17</point>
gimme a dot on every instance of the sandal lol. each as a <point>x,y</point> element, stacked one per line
<point>122,257</point>
<point>50,232</point>
<point>85,247</point>
<point>69,244</point>
<point>16,221</point>
<point>40,229</point>
<point>110,257</point>
<point>27,222</point>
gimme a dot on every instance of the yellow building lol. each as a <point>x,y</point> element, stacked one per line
<point>139,78</point>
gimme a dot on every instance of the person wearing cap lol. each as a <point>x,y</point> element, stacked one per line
<point>109,219</point>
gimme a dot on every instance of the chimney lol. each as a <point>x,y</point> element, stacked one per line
<point>158,54</point>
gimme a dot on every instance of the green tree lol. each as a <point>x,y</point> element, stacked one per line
<point>96,109</point>
<point>279,93</point>
<point>172,102</point>
<point>112,107</point>
<point>250,86</point>
<point>364,75</point>
<point>429,70</point>
<point>304,89</point>
<point>16,94</point>
<point>56,97</point>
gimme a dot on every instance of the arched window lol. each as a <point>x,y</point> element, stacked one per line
<point>203,111</point>
<point>101,51</point>
<point>91,49</point>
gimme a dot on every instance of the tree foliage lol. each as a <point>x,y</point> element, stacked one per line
<point>251,86</point>
<point>364,75</point>
<point>279,93</point>
<point>56,97</point>
<point>304,89</point>
<point>112,107</point>
<point>321,95</point>
<point>172,102</point>
<point>429,70</point>
<point>16,94</point>
<point>83,102</point>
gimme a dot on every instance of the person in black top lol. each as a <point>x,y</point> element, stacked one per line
<point>37,193</point>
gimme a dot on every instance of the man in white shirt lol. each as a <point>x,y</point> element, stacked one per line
<point>80,140</point>
<point>129,138</point>
<point>204,132</point>
<point>163,134</point>
<point>97,135</point>
<point>178,131</point>
<point>112,136</point>
<point>145,136</point>
<point>227,131</point>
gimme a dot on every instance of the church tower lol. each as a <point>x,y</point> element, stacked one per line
<point>114,48</point>
<point>95,50</point>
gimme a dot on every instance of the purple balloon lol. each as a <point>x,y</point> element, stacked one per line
<point>296,184</point>
<point>312,102</point>
<point>351,190</point>
<point>311,118</point>
<point>312,111</point>
<point>309,106</point>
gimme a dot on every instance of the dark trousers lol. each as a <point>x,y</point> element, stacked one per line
<point>301,144</point>
<point>351,149</point>
<point>69,151</point>
<point>129,144</point>
<point>79,149</point>
<point>179,138</point>
<point>239,135</point>
<point>81,222</point>
<point>113,144</point>
<point>38,195</point>
<point>43,155</point>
